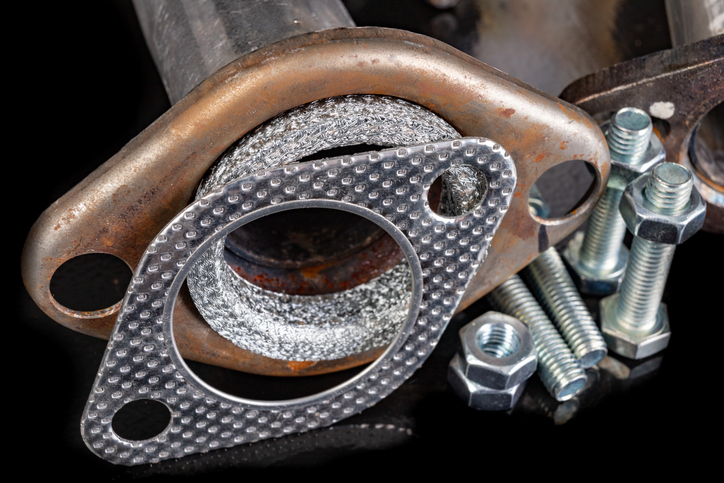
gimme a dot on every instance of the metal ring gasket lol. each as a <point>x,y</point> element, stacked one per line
<point>142,360</point>
<point>310,327</point>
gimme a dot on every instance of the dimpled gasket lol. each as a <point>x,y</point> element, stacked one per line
<point>142,361</point>
<point>321,327</point>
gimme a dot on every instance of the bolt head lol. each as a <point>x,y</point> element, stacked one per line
<point>623,170</point>
<point>481,397</point>
<point>587,280</point>
<point>652,226</point>
<point>497,372</point>
<point>630,343</point>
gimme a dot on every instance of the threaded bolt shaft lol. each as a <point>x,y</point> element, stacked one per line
<point>628,139</point>
<point>667,192</point>
<point>643,284</point>
<point>558,296</point>
<point>604,235</point>
<point>561,374</point>
<point>629,134</point>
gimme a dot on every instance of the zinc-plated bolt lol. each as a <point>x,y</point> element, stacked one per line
<point>629,134</point>
<point>598,257</point>
<point>558,368</point>
<point>662,211</point>
<point>550,282</point>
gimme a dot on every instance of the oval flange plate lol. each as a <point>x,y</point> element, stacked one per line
<point>387,187</point>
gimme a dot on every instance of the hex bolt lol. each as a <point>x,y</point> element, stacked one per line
<point>598,256</point>
<point>558,368</point>
<point>662,211</point>
<point>554,288</point>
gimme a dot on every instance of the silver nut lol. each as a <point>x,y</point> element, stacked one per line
<point>497,351</point>
<point>655,227</point>
<point>481,397</point>
<point>623,171</point>
<point>594,283</point>
<point>632,343</point>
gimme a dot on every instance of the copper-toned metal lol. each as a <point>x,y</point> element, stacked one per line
<point>121,206</point>
<point>679,86</point>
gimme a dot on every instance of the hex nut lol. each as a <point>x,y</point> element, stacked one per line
<point>629,343</point>
<point>655,227</point>
<point>624,172</point>
<point>481,397</point>
<point>497,351</point>
<point>590,282</point>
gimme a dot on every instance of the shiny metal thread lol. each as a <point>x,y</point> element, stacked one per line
<point>498,340</point>
<point>558,368</point>
<point>629,133</point>
<point>643,285</point>
<point>558,296</point>
<point>604,235</point>
<point>667,191</point>
<point>628,138</point>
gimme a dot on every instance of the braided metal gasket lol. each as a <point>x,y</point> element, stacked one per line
<point>311,327</point>
<point>389,188</point>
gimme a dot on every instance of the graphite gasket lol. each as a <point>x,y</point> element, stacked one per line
<point>388,187</point>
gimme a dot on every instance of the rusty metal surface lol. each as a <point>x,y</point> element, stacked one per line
<point>121,206</point>
<point>678,87</point>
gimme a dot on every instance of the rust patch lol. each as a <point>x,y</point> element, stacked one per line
<point>519,190</point>
<point>312,272</point>
<point>299,365</point>
<point>506,113</point>
<point>540,157</point>
<point>564,145</point>
<point>64,220</point>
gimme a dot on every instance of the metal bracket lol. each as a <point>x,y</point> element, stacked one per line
<point>390,188</point>
<point>679,86</point>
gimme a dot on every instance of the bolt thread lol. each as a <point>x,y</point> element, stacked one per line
<point>558,296</point>
<point>628,136</point>
<point>667,191</point>
<point>561,374</point>
<point>498,340</point>
<point>629,133</point>
<point>643,284</point>
<point>604,234</point>
<point>668,188</point>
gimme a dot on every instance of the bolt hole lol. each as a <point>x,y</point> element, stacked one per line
<point>141,419</point>
<point>662,128</point>
<point>91,282</point>
<point>562,189</point>
<point>706,150</point>
<point>461,190</point>
<point>498,340</point>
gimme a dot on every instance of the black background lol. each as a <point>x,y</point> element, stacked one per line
<point>85,85</point>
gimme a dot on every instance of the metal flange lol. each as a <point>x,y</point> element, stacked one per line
<point>121,206</point>
<point>677,86</point>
